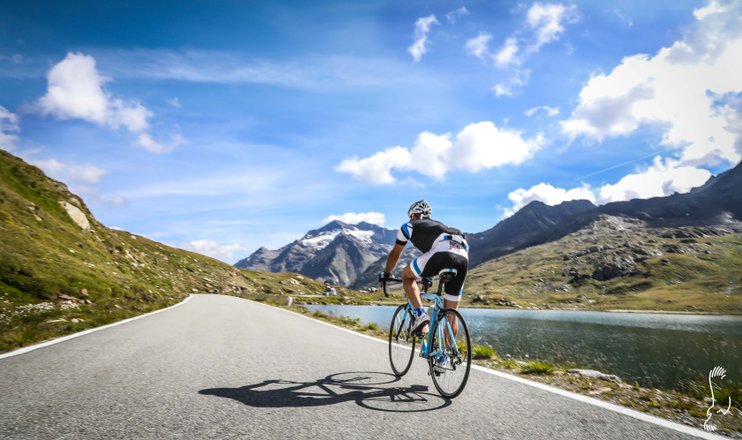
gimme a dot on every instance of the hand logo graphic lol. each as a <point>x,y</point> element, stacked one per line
<point>715,372</point>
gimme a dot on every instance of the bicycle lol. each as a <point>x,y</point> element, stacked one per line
<point>448,340</point>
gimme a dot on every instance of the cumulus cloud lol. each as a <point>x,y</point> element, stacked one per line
<point>422,28</point>
<point>67,172</point>
<point>478,146</point>
<point>354,218</point>
<point>76,91</point>
<point>677,89</point>
<point>548,194</point>
<point>8,128</point>
<point>223,252</point>
<point>664,177</point>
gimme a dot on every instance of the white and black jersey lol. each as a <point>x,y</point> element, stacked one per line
<point>424,233</point>
<point>443,247</point>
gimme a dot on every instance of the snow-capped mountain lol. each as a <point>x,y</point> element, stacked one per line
<point>337,252</point>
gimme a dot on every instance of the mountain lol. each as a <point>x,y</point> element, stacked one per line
<point>337,252</point>
<point>717,202</point>
<point>62,271</point>
<point>534,224</point>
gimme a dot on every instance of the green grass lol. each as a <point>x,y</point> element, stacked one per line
<point>707,278</point>
<point>482,351</point>
<point>537,367</point>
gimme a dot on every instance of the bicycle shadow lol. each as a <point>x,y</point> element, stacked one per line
<point>371,390</point>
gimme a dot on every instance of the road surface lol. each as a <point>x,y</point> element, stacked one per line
<point>223,367</point>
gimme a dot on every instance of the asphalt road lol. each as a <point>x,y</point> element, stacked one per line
<point>223,367</point>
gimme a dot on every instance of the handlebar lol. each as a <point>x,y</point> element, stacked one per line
<point>383,283</point>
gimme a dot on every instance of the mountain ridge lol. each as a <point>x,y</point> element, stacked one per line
<point>717,202</point>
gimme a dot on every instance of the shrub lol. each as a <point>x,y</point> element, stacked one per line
<point>484,351</point>
<point>538,367</point>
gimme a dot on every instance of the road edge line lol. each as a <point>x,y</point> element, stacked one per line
<point>684,429</point>
<point>60,339</point>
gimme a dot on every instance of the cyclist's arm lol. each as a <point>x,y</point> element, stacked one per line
<point>393,257</point>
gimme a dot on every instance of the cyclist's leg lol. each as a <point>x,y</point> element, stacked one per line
<point>410,286</point>
<point>455,288</point>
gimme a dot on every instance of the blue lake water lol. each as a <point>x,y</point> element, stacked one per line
<point>651,349</point>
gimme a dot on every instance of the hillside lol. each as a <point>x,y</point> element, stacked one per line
<point>62,271</point>
<point>620,263</point>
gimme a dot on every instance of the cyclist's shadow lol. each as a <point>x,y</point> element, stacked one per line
<point>370,390</point>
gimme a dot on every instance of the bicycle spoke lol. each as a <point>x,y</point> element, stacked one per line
<point>452,338</point>
<point>401,342</point>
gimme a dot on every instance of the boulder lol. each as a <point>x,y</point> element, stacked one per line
<point>595,374</point>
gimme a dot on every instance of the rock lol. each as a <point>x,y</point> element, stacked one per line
<point>595,374</point>
<point>76,215</point>
<point>479,299</point>
<point>289,301</point>
<point>505,303</point>
<point>76,320</point>
<point>613,269</point>
<point>84,292</point>
<point>68,297</point>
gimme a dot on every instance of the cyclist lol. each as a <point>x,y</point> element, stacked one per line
<point>442,247</point>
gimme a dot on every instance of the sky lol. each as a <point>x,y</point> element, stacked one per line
<point>224,126</point>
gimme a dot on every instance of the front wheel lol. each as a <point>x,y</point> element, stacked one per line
<point>450,358</point>
<point>401,341</point>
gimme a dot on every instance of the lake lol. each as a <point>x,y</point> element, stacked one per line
<point>655,350</point>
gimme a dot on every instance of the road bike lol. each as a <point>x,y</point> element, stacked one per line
<point>446,347</point>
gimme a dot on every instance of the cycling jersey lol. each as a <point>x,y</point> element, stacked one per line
<point>442,246</point>
<point>423,233</point>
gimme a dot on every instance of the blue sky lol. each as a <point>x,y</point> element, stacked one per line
<point>224,126</point>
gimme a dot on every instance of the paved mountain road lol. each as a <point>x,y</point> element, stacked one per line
<point>224,367</point>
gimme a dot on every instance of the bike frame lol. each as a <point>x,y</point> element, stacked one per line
<point>426,342</point>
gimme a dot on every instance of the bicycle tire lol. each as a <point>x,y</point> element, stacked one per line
<point>451,382</point>
<point>401,342</point>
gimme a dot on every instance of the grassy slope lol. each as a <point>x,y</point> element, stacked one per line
<point>706,277</point>
<point>46,258</point>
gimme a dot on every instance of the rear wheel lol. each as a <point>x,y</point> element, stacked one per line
<point>401,342</point>
<point>451,345</point>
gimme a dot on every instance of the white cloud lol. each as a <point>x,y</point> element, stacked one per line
<point>663,178</point>
<point>175,102</point>
<point>76,91</point>
<point>145,141</point>
<point>422,28</point>
<point>478,46</point>
<point>550,111</point>
<point>477,147</point>
<point>508,53</point>
<point>512,85</point>
<point>77,173</point>
<point>354,218</point>
<point>547,22</point>
<point>454,15</point>
<point>8,128</point>
<point>544,23</point>
<point>223,252</point>
<point>548,194</point>
<point>678,89</point>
